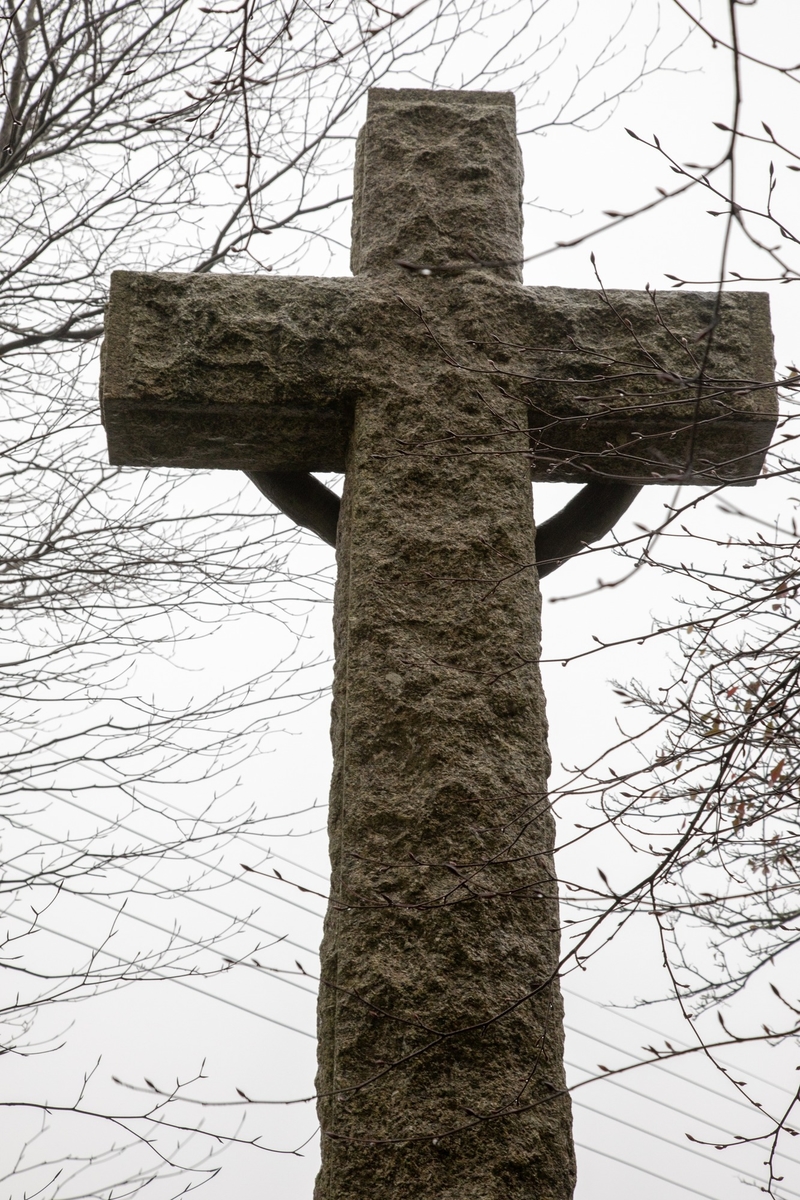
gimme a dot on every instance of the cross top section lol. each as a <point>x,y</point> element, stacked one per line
<point>438,179</point>
<point>265,374</point>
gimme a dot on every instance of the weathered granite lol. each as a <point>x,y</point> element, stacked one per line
<point>441,944</point>
<point>438,181</point>
<point>436,386</point>
<point>243,372</point>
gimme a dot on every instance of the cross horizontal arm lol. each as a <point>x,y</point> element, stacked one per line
<point>226,371</point>
<point>256,374</point>
<point>651,389</point>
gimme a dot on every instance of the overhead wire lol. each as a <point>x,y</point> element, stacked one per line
<point>568,991</point>
<point>261,929</point>
<point>660,1137</point>
<point>191,898</point>
<point>247,923</point>
<point>656,1100</point>
<point>684,1187</point>
<point>305,1033</point>
<point>659,1066</point>
<point>623,1016</point>
<point>230,875</point>
<point>242,837</point>
<point>243,1008</point>
<point>96,769</point>
<point>129,962</point>
<point>172,933</point>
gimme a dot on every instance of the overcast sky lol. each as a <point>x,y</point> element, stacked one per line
<point>253,1028</point>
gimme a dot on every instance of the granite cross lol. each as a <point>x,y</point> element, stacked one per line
<point>440,386</point>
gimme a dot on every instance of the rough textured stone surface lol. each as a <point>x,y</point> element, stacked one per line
<point>620,386</point>
<point>438,180</point>
<point>440,1018</point>
<point>440,1015</point>
<point>441,942</point>
<point>263,374</point>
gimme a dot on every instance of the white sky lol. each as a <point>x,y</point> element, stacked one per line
<point>166,1031</point>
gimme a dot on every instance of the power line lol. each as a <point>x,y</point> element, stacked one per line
<point>245,879</point>
<point>249,924</point>
<point>568,991</point>
<point>665,1104</point>
<point>659,1066</point>
<point>671,1142</point>
<point>294,1029</point>
<point>266,973</point>
<point>188,896</point>
<point>308,991</point>
<point>652,1029</point>
<point>299,986</point>
<point>263,972</point>
<point>239,837</point>
<point>168,978</point>
<point>96,769</point>
<point>684,1187</point>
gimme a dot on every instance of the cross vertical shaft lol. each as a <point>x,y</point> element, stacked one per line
<point>440,1016</point>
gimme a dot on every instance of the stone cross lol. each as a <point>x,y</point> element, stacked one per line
<point>440,386</point>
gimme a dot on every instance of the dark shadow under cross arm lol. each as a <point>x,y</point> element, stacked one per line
<point>587,518</point>
<point>303,499</point>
